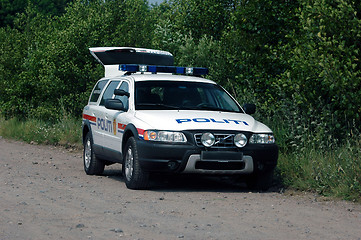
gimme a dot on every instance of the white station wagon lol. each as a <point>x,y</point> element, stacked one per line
<point>151,116</point>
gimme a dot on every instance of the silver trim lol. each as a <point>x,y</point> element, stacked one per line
<point>190,167</point>
<point>222,140</point>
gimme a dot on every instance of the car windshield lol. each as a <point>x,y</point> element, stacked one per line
<point>170,95</point>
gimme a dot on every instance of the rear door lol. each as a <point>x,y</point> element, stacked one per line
<point>105,124</point>
<point>113,139</point>
<point>93,111</point>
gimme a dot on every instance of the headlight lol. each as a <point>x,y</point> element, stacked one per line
<point>240,140</point>
<point>208,139</point>
<point>164,136</point>
<point>262,138</point>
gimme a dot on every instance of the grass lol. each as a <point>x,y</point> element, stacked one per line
<point>66,133</point>
<point>332,173</point>
<point>335,173</point>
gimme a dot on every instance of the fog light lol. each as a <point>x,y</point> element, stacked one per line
<point>208,139</point>
<point>172,165</point>
<point>240,140</point>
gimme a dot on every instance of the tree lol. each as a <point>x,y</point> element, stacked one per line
<point>9,9</point>
<point>323,68</point>
<point>55,70</point>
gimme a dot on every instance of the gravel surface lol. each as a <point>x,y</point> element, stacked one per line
<point>45,194</point>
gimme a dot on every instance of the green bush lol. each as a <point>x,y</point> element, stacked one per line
<point>52,67</point>
<point>299,61</point>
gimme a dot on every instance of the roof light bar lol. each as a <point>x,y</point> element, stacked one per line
<point>197,71</point>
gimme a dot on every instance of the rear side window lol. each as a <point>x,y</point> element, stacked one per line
<point>109,92</point>
<point>97,90</point>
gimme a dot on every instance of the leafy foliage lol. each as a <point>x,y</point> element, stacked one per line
<point>9,8</point>
<point>323,68</point>
<point>299,61</point>
<point>52,68</point>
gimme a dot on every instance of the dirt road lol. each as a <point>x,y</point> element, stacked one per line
<point>45,194</point>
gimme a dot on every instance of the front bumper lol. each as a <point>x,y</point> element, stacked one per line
<point>188,158</point>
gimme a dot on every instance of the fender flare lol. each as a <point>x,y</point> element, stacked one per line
<point>86,127</point>
<point>129,131</point>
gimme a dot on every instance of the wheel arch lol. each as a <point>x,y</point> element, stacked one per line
<point>86,129</point>
<point>129,131</point>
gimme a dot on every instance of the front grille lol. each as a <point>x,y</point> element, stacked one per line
<point>222,140</point>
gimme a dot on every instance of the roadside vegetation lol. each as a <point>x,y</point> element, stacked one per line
<point>298,61</point>
<point>66,133</point>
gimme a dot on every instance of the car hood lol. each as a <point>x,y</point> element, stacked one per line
<point>179,120</point>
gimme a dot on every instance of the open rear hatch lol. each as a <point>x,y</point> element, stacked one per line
<point>111,57</point>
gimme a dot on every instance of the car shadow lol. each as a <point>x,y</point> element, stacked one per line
<point>193,183</point>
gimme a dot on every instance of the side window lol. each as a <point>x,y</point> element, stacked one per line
<point>109,91</point>
<point>124,86</point>
<point>97,90</point>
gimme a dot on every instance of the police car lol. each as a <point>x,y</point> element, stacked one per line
<point>151,116</point>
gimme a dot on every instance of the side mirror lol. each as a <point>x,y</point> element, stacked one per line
<point>114,104</point>
<point>249,108</point>
<point>120,92</point>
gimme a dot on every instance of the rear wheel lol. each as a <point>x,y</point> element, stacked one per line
<point>134,176</point>
<point>92,165</point>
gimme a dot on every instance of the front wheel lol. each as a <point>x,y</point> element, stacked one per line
<point>92,165</point>
<point>134,176</point>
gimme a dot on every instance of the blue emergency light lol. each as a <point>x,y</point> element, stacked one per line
<point>197,71</point>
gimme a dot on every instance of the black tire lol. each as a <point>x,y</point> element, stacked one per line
<point>260,181</point>
<point>134,176</point>
<point>92,165</point>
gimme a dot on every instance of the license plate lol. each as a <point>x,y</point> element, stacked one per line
<point>221,156</point>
